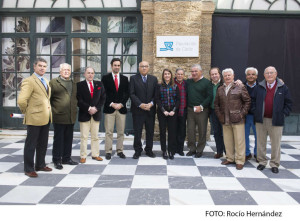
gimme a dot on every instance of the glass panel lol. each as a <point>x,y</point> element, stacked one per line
<point>60,4</point>
<point>23,64</point>
<point>129,3</point>
<point>25,4</point>
<point>9,89</point>
<point>8,63</point>
<point>58,24</point>
<point>224,4</point>
<point>58,46</point>
<point>242,4</point>
<point>278,5</point>
<point>94,62</point>
<point>93,24</point>
<point>77,4</point>
<point>56,61</point>
<point>130,64</point>
<point>109,58</point>
<point>9,3</point>
<point>47,76</point>
<point>114,25</point>
<point>260,5</point>
<point>43,46</point>
<point>20,77</point>
<point>114,46</point>
<point>43,3</point>
<point>78,24</point>
<point>78,64</point>
<point>129,46</point>
<point>94,46</point>
<point>97,77</point>
<point>8,24</point>
<point>293,6</point>
<point>130,25</point>
<point>55,75</point>
<point>43,24</point>
<point>93,4</point>
<point>23,24</point>
<point>8,46</point>
<point>23,45</point>
<point>78,46</point>
<point>111,3</point>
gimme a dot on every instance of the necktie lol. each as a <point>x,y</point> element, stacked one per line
<point>91,89</point>
<point>116,82</point>
<point>144,79</point>
<point>269,86</point>
<point>44,83</point>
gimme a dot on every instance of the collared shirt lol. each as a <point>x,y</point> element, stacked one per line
<point>227,87</point>
<point>142,76</point>
<point>250,85</point>
<point>113,75</point>
<point>88,83</point>
<point>216,83</point>
<point>40,78</point>
<point>271,85</point>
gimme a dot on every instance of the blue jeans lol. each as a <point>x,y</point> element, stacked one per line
<point>250,124</point>
<point>218,132</point>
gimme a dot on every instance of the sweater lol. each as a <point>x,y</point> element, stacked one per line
<point>199,92</point>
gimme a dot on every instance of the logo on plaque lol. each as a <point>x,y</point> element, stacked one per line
<point>168,46</point>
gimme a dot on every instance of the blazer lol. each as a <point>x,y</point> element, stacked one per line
<point>34,102</point>
<point>112,95</point>
<point>85,100</point>
<point>142,93</point>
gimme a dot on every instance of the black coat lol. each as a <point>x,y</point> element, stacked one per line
<point>85,100</point>
<point>112,95</point>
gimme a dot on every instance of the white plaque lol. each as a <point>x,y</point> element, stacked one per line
<point>177,46</point>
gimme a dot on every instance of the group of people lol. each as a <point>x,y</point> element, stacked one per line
<point>177,102</point>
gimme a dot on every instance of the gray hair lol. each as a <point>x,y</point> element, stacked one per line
<point>251,69</point>
<point>228,70</point>
<point>270,67</point>
<point>198,66</point>
<point>179,69</point>
<point>64,64</point>
<point>40,59</point>
<point>89,67</point>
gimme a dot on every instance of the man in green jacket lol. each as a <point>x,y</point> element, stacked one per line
<point>64,110</point>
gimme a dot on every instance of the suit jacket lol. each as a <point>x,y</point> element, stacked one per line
<point>112,95</point>
<point>34,101</point>
<point>85,100</point>
<point>141,92</point>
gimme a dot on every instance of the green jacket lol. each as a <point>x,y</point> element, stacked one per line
<point>64,106</point>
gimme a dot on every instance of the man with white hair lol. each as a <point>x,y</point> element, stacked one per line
<point>271,103</point>
<point>250,84</point>
<point>232,103</point>
<point>64,110</point>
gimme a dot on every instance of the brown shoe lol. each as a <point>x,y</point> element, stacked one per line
<point>45,169</point>
<point>218,155</point>
<point>239,166</point>
<point>82,160</point>
<point>31,174</point>
<point>97,158</point>
<point>226,162</point>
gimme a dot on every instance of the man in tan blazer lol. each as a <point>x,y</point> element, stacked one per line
<point>34,103</point>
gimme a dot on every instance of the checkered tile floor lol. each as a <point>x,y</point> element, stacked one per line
<point>147,181</point>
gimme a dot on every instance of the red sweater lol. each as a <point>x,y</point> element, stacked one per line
<point>269,101</point>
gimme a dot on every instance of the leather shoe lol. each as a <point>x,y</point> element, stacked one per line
<point>261,167</point>
<point>45,169</point>
<point>97,158</point>
<point>181,153</point>
<point>136,155</point>
<point>171,156</point>
<point>70,162</point>
<point>226,162</point>
<point>82,160</point>
<point>108,156</point>
<point>248,157</point>
<point>239,166</point>
<point>198,155</point>
<point>32,174</point>
<point>218,155</point>
<point>121,155</point>
<point>165,155</point>
<point>58,165</point>
<point>150,154</point>
<point>275,170</point>
<point>191,153</point>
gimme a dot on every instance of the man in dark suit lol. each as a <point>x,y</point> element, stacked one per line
<point>142,91</point>
<point>34,103</point>
<point>117,93</point>
<point>91,97</point>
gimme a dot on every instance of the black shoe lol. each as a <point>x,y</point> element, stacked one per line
<point>108,156</point>
<point>181,153</point>
<point>275,170</point>
<point>171,156</point>
<point>198,155</point>
<point>58,165</point>
<point>261,167</point>
<point>190,153</point>
<point>248,157</point>
<point>136,155</point>
<point>121,155</point>
<point>70,162</point>
<point>150,154</point>
<point>165,155</point>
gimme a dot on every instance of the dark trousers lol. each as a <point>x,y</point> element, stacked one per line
<point>36,142</point>
<point>62,143</point>
<point>138,123</point>
<point>218,132</point>
<point>170,123</point>
<point>181,132</point>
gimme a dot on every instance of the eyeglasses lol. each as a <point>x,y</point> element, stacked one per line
<point>144,66</point>
<point>269,73</point>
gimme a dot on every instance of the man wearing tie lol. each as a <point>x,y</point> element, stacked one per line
<point>91,97</point>
<point>34,103</point>
<point>117,93</point>
<point>142,92</point>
